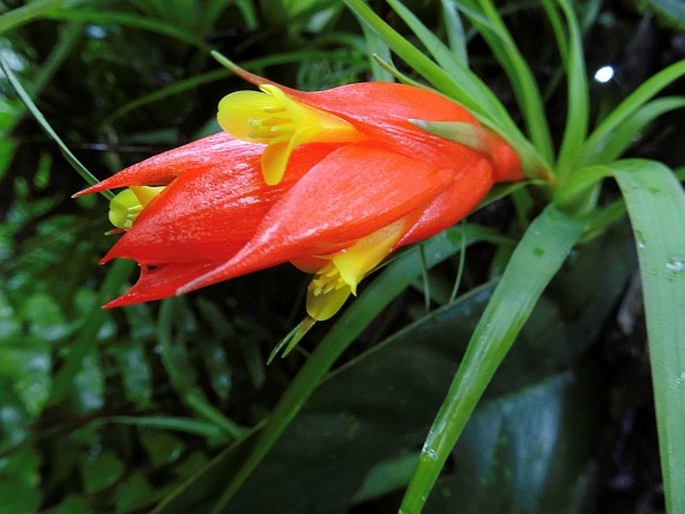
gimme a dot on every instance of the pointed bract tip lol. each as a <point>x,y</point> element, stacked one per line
<point>225,61</point>
<point>243,74</point>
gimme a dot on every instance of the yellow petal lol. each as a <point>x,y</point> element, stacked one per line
<point>325,305</point>
<point>237,109</point>
<point>273,118</point>
<point>127,205</point>
<point>339,278</point>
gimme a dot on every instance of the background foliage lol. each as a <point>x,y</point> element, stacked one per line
<point>160,407</point>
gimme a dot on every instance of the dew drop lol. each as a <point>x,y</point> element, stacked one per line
<point>640,238</point>
<point>675,265</point>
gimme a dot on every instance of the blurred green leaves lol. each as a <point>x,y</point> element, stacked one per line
<point>170,407</point>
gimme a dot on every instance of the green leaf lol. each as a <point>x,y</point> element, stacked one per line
<point>244,458</point>
<point>578,96</point>
<point>656,206</point>
<point>135,371</point>
<point>367,417</point>
<point>162,448</point>
<point>614,144</point>
<point>537,258</point>
<point>485,16</point>
<point>101,471</point>
<point>30,12</point>
<point>47,128</point>
<point>86,337</point>
<point>18,497</point>
<point>445,58</point>
<point>629,106</point>
<point>528,451</point>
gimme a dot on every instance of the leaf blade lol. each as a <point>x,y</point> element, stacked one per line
<point>548,240</point>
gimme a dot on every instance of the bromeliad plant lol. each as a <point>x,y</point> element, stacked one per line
<point>332,181</point>
<point>335,181</point>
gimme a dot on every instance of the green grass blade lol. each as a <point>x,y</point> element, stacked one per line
<point>29,12</point>
<point>454,29</point>
<point>187,425</point>
<point>47,128</point>
<point>631,104</point>
<point>535,261</point>
<point>68,39</point>
<point>468,90</point>
<point>129,20</point>
<point>378,51</point>
<point>212,76</point>
<point>624,136</point>
<point>578,96</point>
<point>656,206</point>
<point>445,58</point>
<point>396,277</point>
<point>485,16</point>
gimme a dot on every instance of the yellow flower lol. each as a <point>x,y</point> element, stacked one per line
<point>125,207</point>
<point>282,123</point>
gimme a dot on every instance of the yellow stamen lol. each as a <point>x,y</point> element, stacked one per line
<point>126,206</point>
<point>273,118</point>
<point>339,278</point>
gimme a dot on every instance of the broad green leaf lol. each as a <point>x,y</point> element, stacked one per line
<point>669,12</point>
<point>89,383</point>
<point>134,493</point>
<point>656,206</point>
<point>526,452</point>
<point>535,261</point>
<point>27,363</point>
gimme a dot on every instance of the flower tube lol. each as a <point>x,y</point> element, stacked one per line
<point>331,181</point>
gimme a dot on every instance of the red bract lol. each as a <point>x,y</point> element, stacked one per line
<point>332,181</point>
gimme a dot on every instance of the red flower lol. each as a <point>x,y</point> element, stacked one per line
<point>332,181</point>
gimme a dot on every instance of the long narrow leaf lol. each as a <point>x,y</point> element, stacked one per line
<point>632,103</point>
<point>469,90</point>
<point>440,52</point>
<point>485,16</point>
<point>47,128</point>
<point>454,29</point>
<point>130,20</point>
<point>624,136</point>
<point>30,12</point>
<point>578,97</point>
<point>656,206</point>
<point>535,261</point>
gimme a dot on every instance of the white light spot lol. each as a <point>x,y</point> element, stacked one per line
<point>604,74</point>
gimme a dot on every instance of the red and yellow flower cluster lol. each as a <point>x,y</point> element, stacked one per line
<point>331,181</point>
